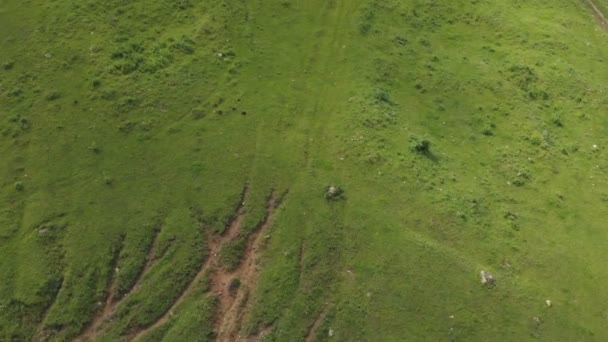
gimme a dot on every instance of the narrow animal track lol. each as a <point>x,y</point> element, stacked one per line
<point>111,302</point>
<point>228,313</point>
<point>232,306</point>
<point>598,14</point>
<point>150,260</point>
<point>312,331</point>
<point>234,227</point>
<point>91,330</point>
<point>214,244</point>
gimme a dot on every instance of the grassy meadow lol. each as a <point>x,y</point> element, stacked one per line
<point>466,136</point>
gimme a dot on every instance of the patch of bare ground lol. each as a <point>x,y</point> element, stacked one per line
<point>259,336</point>
<point>312,331</point>
<point>150,260</point>
<point>233,298</point>
<point>234,226</point>
<point>598,14</point>
<point>92,331</point>
<point>228,314</point>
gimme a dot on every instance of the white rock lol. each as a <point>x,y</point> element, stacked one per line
<point>548,302</point>
<point>486,278</point>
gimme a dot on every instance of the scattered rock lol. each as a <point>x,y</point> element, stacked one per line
<point>548,302</point>
<point>43,231</point>
<point>487,278</point>
<point>334,193</point>
<point>330,333</point>
<point>536,320</point>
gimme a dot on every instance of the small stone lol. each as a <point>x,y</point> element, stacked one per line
<point>330,333</point>
<point>220,54</point>
<point>333,192</point>
<point>486,278</point>
<point>536,320</point>
<point>548,302</point>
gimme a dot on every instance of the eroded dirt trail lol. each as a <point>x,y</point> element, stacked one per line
<point>312,331</point>
<point>232,306</point>
<point>90,333</point>
<point>598,14</point>
<point>111,302</point>
<point>231,303</point>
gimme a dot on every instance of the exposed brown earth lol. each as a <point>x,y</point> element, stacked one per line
<point>312,331</point>
<point>231,302</point>
<point>232,305</point>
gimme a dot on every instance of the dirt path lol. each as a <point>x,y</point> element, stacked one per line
<point>90,332</point>
<point>230,308</point>
<point>598,14</point>
<point>231,305</point>
<point>214,243</point>
<point>150,260</point>
<point>312,331</point>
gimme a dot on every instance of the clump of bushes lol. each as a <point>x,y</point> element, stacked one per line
<point>366,21</point>
<point>557,121</point>
<point>536,138</point>
<point>198,113</point>
<point>19,186</point>
<point>421,146</point>
<point>52,96</point>
<point>233,286</point>
<point>382,96</point>
<point>232,253</point>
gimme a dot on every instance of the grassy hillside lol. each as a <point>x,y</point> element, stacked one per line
<point>165,167</point>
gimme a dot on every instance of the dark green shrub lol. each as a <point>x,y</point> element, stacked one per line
<point>231,253</point>
<point>558,122</point>
<point>53,95</point>
<point>198,113</point>
<point>233,286</point>
<point>422,146</point>
<point>382,96</point>
<point>19,186</point>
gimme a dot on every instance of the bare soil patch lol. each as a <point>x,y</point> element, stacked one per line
<point>312,331</point>
<point>232,304</point>
<point>232,294</point>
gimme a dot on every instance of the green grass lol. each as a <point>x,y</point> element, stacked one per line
<point>123,120</point>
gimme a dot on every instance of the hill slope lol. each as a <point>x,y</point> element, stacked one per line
<point>166,165</point>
